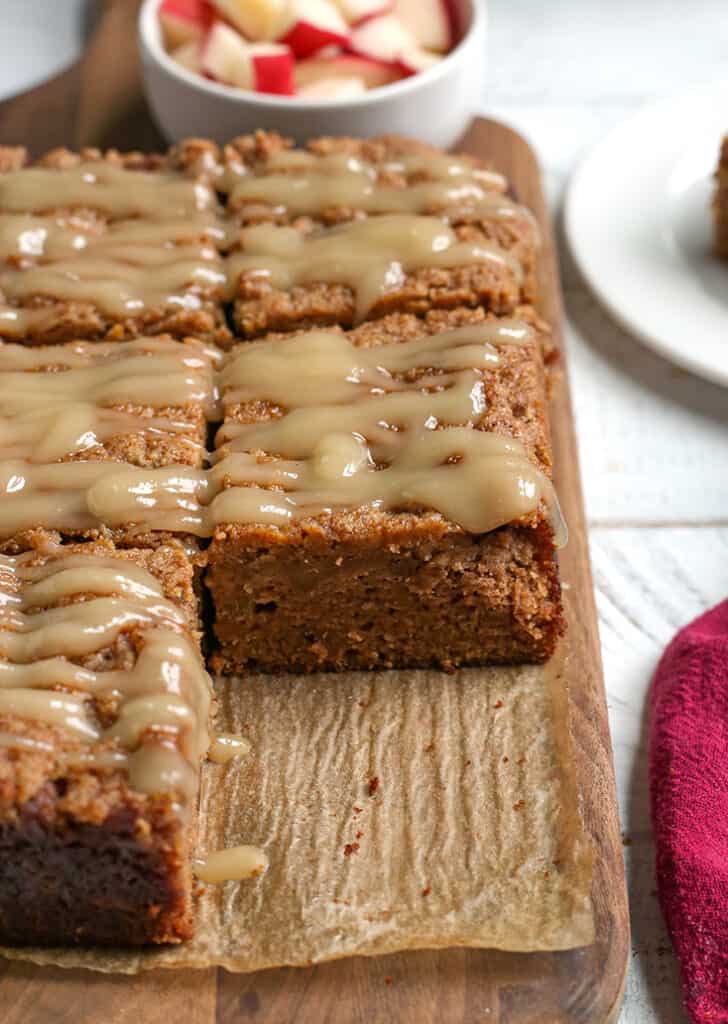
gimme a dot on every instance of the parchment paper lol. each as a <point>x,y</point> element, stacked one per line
<point>398,811</point>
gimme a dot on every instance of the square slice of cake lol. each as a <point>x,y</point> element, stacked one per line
<point>384,499</point>
<point>445,233</point>
<point>73,416</point>
<point>285,279</point>
<point>335,180</point>
<point>104,245</point>
<point>103,721</point>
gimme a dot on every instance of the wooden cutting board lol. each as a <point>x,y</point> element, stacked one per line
<point>99,101</point>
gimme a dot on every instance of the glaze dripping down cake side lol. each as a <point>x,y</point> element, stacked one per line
<point>387,499</point>
<point>104,709</point>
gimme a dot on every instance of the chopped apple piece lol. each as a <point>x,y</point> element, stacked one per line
<point>388,41</point>
<point>184,21</point>
<point>333,89</point>
<point>313,24</point>
<point>225,57</point>
<point>415,60</point>
<point>189,57</point>
<point>428,21</point>
<point>273,68</point>
<point>383,39</point>
<point>259,20</point>
<point>264,67</point>
<point>372,72</point>
<point>357,11</point>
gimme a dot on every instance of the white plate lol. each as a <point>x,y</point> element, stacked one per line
<point>638,223</point>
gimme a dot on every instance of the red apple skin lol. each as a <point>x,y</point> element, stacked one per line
<point>374,73</point>
<point>455,18</point>
<point>184,21</point>
<point>306,38</point>
<point>273,74</point>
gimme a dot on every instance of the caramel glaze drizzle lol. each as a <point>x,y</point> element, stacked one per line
<point>101,253</point>
<point>226,746</point>
<point>427,166</point>
<point>358,432</point>
<point>371,256</point>
<point>138,240</point>
<point>120,284</point>
<point>26,238</point>
<point>361,428</point>
<point>154,721</point>
<point>291,186</point>
<point>46,416</point>
<point>118,192</point>
<point>233,864</point>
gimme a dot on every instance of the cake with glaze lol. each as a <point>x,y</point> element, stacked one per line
<point>359,579</point>
<point>99,751</point>
<point>100,245</point>
<point>320,373</point>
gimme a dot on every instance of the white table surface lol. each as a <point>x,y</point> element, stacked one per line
<point>653,439</point>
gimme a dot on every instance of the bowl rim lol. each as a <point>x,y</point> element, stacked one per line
<point>150,37</point>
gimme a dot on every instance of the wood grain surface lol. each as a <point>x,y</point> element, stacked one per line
<point>86,105</point>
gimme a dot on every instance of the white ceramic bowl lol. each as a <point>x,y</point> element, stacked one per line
<point>435,105</point>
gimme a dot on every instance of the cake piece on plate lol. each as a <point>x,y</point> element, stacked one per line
<point>103,721</point>
<point>384,499</point>
<point>104,245</point>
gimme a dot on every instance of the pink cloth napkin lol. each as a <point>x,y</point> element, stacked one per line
<point>689,794</point>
